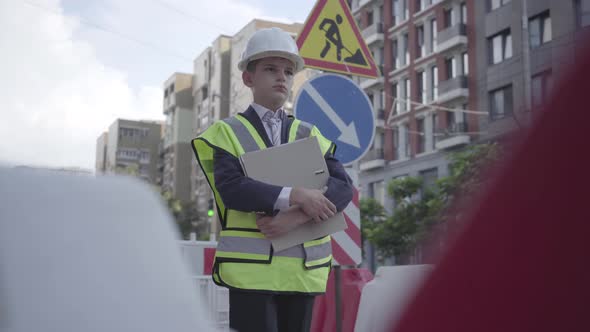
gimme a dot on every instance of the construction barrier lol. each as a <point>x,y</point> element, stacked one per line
<point>199,256</point>
<point>324,311</point>
<point>385,298</point>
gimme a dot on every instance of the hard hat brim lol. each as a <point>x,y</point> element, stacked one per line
<point>296,59</point>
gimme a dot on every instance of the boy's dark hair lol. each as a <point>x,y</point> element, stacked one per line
<point>251,67</point>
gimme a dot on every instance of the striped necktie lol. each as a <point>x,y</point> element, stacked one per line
<point>274,123</point>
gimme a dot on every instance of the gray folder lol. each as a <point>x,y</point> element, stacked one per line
<point>297,164</point>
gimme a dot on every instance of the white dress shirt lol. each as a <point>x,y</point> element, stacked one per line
<point>282,201</point>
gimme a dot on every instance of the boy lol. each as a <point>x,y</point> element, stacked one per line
<point>269,291</point>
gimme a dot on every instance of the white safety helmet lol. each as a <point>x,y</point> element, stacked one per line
<point>272,42</point>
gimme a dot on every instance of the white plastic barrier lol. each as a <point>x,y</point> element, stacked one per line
<point>90,254</point>
<point>215,298</point>
<point>193,253</point>
<point>385,297</point>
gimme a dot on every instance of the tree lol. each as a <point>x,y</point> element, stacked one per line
<point>419,210</point>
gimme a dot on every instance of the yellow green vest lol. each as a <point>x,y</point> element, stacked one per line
<point>244,258</point>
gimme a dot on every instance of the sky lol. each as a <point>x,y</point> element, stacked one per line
<point>71,67</point>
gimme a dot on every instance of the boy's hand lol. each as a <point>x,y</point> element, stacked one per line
<point>313,203</point>
<point>282,223</point>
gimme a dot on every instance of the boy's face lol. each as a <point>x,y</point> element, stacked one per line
<point>271,81</point>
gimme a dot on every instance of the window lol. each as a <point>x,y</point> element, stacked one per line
<point>408,94</point>
<point>377,191</point>
<point>396,147</point>
<point>421,85</point>
<point>407,148</point>
<point>394,94</point>
<point>394,53</point>
<point>465,57</point>
<point>204,93</point>
<point>541,87</point>
<point>172,88</point>
<point>205,121</point>
<point>406,49</point>
<point>429,178</point>
<point>370,18</point>
<point>495,4</point>
<point>395,11</point>
<point>433,34</point>
<point>582,12</point>
<point>420,5</point>
<point>406,10</point>
<point>420,41</point>
<point>434,130</point>
<point>449,17</point>
<point>501,102</point>
<point>421,136</point>
<point>451,65</point>
<point>540,29</point>
<point>144,156</point>
<point>500,47</point>
<point>463,13</point>
<point>434,82</point>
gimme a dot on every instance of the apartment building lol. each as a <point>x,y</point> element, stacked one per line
<point>439,58</point>
<point>130,146</point>
<point>555,32</point>
<point>176,151</point>
<point>100,166</point>
<point>422,49</point>
<point>211,102</point>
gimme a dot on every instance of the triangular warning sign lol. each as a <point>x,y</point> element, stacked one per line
<point>331,41</point>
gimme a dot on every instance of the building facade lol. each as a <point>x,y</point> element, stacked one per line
<point>454,72</point>
<point>211,102</point>
<point>176,152</point>
<point>100,166</point>
<point>131,148</point>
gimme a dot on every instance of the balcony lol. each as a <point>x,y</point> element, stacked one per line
<point>368,83</point>
<point>453,136</point>
<point>373,34</point>
<point>372,160</point>
<point>169,102</point>
<point>452,37</point>
<point>357,5</point>
<point>452,89</point>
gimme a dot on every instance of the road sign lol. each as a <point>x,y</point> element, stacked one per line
<point>347,244</point>
<point>331,41</point>
<point>342,112</point>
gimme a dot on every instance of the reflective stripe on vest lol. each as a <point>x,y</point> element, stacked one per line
<point>243,135</point>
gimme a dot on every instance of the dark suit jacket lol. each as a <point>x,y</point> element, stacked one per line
<point>241,193</point>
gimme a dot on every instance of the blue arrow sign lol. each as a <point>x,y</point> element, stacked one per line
<point>342,112</point>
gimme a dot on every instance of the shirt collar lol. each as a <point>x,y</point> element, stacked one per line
<point>261,110</point>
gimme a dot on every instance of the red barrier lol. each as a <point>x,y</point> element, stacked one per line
<point>324,311</point>
<point>208,261</point>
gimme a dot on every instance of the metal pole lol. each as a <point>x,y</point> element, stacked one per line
<point>526,59</point>
<point>337,285</point>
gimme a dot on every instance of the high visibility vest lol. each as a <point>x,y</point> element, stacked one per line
<point>244,258</point>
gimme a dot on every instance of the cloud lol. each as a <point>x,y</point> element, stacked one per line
<point>57,96</point>
<point>63,82</point>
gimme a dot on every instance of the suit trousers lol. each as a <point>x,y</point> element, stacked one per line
<point>261,312</point>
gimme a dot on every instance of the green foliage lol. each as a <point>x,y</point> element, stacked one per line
<point>417,209</point>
